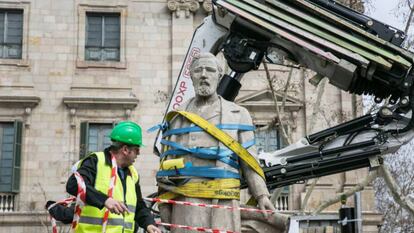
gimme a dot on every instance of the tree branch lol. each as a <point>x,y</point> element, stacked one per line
<point>308,194</point>
<point>317,104</point>
<point>286,89</point>
<point>359,187</point>
<point>403,201</point>
<point>410,18</point>
<point>282,128</point>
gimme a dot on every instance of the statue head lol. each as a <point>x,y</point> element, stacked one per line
<point>205,71</point>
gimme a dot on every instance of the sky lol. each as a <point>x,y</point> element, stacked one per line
<point>383,12</point>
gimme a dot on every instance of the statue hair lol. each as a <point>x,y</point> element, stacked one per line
<point>207,56</point>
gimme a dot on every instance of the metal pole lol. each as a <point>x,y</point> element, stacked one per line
<point>346,217</point>
<point>358,212</point>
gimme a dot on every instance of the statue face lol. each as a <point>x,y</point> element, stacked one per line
<point>205,76</point>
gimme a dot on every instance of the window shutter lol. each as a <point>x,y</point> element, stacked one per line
<point>6,156</point>
<point>14,27</point>
<point>273,140</point>
<point>112,37</point>
<point>94,31</point>
<point>268,139</point>
<point>17,151</point>
<point>83,145</point>
<point>2,14</point>
<point>93,37</point>
<point>107,137</point>
<point>93,138</point>
<point>260,139</point>
<point>282,140</point>
<point>99,136</point>
<point>14,35</point>
<point>112,31</point>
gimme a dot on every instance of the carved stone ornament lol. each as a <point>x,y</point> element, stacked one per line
<point>26,103</point>
<point>183,5</point>
<point>74,103</point>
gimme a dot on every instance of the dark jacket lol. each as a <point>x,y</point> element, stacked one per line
<point>143,216</point>
<point>61,212</point>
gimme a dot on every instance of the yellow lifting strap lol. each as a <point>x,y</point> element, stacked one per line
<point>220,189</point>
<point>222,136</point>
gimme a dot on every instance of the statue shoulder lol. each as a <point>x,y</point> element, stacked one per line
<point>231,106</point>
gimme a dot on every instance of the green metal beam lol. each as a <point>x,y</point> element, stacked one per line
<point>333,30</point>
<point>266,14</point>
<point>319,11</point>
<point>294,39</point>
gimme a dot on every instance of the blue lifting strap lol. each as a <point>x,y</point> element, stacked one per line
<point>205,172</point>
<point>198,129</point>
<point>213,151</point>
<point>224,155</point>
<point>227,160</point>
<point>163,126</point>
<point>203,153</point>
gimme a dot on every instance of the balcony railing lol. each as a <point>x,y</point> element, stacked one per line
<point>282,202</point>
<point>7,202</point>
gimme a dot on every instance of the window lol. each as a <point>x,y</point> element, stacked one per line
<point>94,137</point>
<point>10,142</point>
<point>11,34</point>
<point>102,37</point>
<point>267,138</point>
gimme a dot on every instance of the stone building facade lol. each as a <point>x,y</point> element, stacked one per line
<point>68,81</point>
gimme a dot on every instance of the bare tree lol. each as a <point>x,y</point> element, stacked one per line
<point>405,12</point>
<point>396,188</point>
<point>359,187</point>
<point>398,174</point>
<point>279,114</point>
<point>358,5</point>
<point>277,109</point>
<point>393,189</point>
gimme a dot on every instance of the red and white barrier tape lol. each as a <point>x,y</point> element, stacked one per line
<point>200,229</point>
<point>54,226</point>
<point>80,199</point>
<point>64,202</point>
<point>207,205</point>
<point>112,184</point>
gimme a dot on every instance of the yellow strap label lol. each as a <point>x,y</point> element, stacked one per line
<point>223,137</point>
<point>220,189</point>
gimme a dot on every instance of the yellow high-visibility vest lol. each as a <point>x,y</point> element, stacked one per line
<point>91,217</point>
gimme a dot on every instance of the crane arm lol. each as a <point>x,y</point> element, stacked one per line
<point>355,52</point>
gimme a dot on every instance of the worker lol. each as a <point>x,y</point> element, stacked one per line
<point>126,205</point>
<point>203,169</point>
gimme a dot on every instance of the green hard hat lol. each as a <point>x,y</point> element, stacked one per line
<point>127,132</point>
